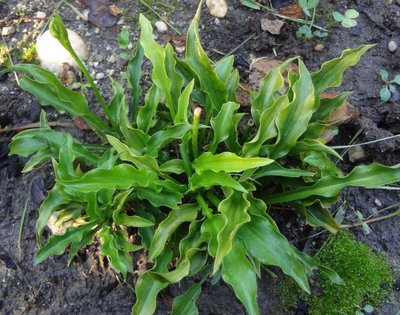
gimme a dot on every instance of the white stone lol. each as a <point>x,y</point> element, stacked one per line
<point>217,8</point>
<point>100,76</point>
<point>112,59</point>
<point>161,26</point>
<point>7,30</point>
<point>40,15</point>
<point>52,54</point>
<point>392,46</point>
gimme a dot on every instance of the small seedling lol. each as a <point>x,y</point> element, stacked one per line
<point>389,87</point>
<point>308,5</point>
<point>123,43</point>
<point>365,226</point>
<point>306,32</point>
<point>348,19</point>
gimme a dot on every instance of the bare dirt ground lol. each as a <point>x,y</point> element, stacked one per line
<point>86,287</point>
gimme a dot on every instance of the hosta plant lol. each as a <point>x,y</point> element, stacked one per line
<point>188,172</point>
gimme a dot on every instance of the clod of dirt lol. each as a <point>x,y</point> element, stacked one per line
<point>3,149</point>
<point>100,13</point>
<point>53,55</point>
<point>356,154</point>
<point>37,190</point>
<point>7,260</point>
<point>217,8</point>
<point>319,47</point>
<point>272,26</point>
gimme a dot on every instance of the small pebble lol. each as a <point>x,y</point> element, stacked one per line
<point>7,30</point>
<point>378,202</point>
<point>319,47</point>
<point>40,15</point>
<point>95,64</point>
<point>217,8</point>
<point>97,30</point>
<point>100,76</point>
<point>130,46</point>
<point>110,72</point>
<point>217,21</point>
<point>161,26</point>
<point>85,15</point>
<point>356,154</point>
<point>392,46</point>
<point>121,21</point>
<point>112,59</point>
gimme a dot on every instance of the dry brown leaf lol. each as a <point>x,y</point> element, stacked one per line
<point>177,41</point>
<point>100,13</point>
<point>260,67</point>
<point>292,11</point>
<point>343,114</point>
<point>81,124</point>
<point>272,26</point>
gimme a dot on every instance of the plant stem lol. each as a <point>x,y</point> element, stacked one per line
<point>204,206</point>
<point>195,131</point>
<point>184,151</point>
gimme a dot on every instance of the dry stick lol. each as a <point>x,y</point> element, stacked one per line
<point>36,125</point>
<point>364,143</point>
<point>236,48</point>
<point>160,17</point>
<point>9,57</point>
<point>357,224</point>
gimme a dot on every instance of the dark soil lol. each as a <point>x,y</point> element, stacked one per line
<point>89,287</point>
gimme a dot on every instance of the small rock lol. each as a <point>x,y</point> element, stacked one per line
<point>40,15</point>
<point>272,26</point>
<point>319,47</point>
<point>112,59</point>
<point>161,26</point>
<point>130,46</point>
<point>85,15</point>
<point>95,64</point>
<point>217,8</point>
<point>7,30</point>
<point>110,72</point>
<point>392,46</point>
<point>356,154</point>
<point>53,55</point>
<point>217,21</point>
<point>100,76</point>
<point>97,30</point>
<point>378,202</point>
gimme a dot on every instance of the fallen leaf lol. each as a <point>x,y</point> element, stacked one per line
<point>272,26</point>
<point>81,124</point>
<point>292,11</point>
<point>260,67</point>
<point>343,114</point>
<point>177,41</point>
<point>100,13</point>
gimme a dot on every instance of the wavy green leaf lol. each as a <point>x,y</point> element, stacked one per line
<point>239,273</point>
<point>183,104</point>
<point>328,105</point>
<point>224,68</point>
<point>156,54</point>
<point>200,64</point>
<point>185,213</point>
<point>146,117</point>
<point>210,228</point>
<point>223,125</point>
<point>209,178</point>
<point>234,209</point>
<point>274,169</point>
<point>122,176</point>
<point>58,243</point>
<point>186,303</point>
<point>134,75</point>
<point>227,162</point>
<point>292,121</point>
<point>266,244</point>
<point>331,72</point>
<point>367,176</point>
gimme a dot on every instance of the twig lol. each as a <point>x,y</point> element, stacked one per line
<point>36,125</point>
<point>335,147</point>
<point>160,17</point>
<point>357,224</point>
<point>10,58</point>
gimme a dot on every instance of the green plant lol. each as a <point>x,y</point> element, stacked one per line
<point>388,88</point>
<point>187,182</point>
<point>348,19</point>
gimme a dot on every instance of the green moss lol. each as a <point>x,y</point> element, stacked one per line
<point>367,274</point>
<point>29,54</point>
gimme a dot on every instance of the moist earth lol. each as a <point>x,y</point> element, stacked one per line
<point>88,286</point>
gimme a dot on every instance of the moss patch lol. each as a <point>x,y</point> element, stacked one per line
<point>367,274</point>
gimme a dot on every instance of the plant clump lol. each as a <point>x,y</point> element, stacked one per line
<point>174,171</point>
<point>367,275</point>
